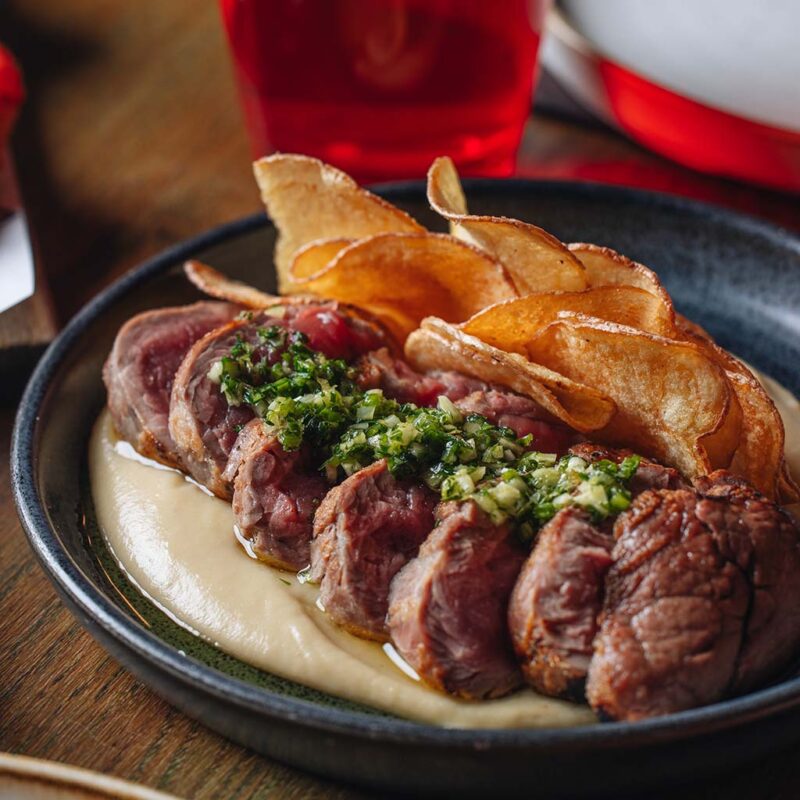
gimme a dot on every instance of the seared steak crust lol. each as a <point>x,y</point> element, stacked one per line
<point>275,495</point>
<point>141,367</point>
<point>553,610</point>
<point>674,611</point>
<point>448,607</point>
<point>365,530</point>
<point>766,542</point>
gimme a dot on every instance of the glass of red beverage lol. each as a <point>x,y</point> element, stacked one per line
<point>381,87</point>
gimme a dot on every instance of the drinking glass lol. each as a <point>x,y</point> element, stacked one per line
<point>381,87</point>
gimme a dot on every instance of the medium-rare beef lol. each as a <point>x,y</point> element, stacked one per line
<point>275,495</point>
<point>522,414</point>
<point>365,530</point>
<point>202,423</point>
<point>552,614</point>
<point>141,367</point>
<point>331,330</point>
<point>648,475</point>
<point>675,604</point>
<point>448,607</point>
<point>380,370</point>
<point>766,542</point>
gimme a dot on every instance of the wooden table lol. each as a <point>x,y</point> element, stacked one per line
<point>131,141</point>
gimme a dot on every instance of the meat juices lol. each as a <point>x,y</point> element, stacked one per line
<point>447,607</point>
<point>141,367</point>
<point>552,614</point>
<point>365,530</point>
<point>275,495</point>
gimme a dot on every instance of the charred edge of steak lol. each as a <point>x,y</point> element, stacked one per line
<point>365,530</point>
<point>555,603</point>
<point>448,607</point>
<point>766,541</point>
<point>674,611</point>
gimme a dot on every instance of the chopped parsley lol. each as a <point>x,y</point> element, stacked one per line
<point>308,398</point>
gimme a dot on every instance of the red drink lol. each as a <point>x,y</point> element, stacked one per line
<point>382,87</point>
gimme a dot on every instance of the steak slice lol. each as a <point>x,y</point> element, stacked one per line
<point>674,610</point>
<point>649,474</point>
<point>448,607</point>
<point>202,424</point>
<point>380,370</point>
<point>522,414</point>
<point>552,614</point>
<point>766,541</point>
<point>275,495</point>
<point>365,530</point>
<point>141,367</point>
<point>331,330</point>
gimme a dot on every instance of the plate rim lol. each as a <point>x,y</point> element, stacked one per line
<point>100,608</point>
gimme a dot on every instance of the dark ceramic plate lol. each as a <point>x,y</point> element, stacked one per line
<point>737,277</point>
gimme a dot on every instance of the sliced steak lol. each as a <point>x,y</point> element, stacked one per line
<point>332,330</point>
<point>141,367</point>
<point>522,414</point>
<point>766,542</point>
<point>202,424</point>
<point>674,610</point>
<point>381,370</point>
<point>365,530</point>
<point>448,607</point>
<point>648,475</point>
<point>275,495</point>
<point>552,614</point>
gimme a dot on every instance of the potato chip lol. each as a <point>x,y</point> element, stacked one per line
<point>215,284</point>
<point>314,257</point>
<point>511,324</point>
<point>403,277</point>
<point>438,345</point>
<point>669,394</point>
<point>536,261</point>
<point>309,200</point>
<point>607,267</point>
<point>758,455</point>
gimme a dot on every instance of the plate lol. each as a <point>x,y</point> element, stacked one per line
<point>738,277</point>
<point>24,778</point>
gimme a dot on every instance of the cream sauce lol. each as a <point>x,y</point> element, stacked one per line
<point>175,541</point>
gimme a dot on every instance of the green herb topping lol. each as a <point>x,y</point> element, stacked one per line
<point>306,397</point>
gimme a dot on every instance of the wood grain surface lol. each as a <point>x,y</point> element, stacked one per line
<point>131,141</point>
